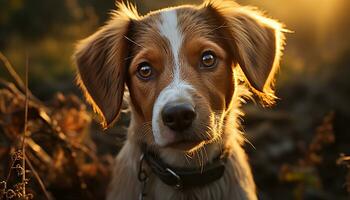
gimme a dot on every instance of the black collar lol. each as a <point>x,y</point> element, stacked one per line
<point>185,178</point>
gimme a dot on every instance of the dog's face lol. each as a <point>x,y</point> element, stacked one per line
<point>180,77</point>
<point>179,67</point>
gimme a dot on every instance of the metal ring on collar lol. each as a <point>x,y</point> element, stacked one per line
<point>142,175</point>
<point>178,184</point>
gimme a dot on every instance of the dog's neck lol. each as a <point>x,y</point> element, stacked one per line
<point>184,178</point>
<point>236,182</point>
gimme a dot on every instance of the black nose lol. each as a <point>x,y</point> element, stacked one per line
<point>178,117</point>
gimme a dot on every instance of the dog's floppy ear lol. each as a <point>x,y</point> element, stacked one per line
<point>257,42</point>
<point>100,59</point>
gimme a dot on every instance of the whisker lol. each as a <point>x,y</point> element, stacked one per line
<point>186,157</point>
<point>144,129</point>
<point>127,58</point>
<point>226,38</point>
<point>198,159</point>
<point>202,160</point>
<point>221,26</point>
<point>206,154</point>
<point>246,140</point>
<point>133,41</point>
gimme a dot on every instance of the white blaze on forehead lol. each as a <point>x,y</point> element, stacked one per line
<point>177,90</point>
<point>168,28</point>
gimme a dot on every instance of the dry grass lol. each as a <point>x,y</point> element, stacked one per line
<point>53,152</point>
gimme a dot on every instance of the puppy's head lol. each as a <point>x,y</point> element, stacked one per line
<point>179,65</point>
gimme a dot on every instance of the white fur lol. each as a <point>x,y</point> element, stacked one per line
<point>169,29</point>
<point>178,90</point>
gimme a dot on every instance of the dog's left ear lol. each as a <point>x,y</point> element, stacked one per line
<point>101,64</point>
<point>257,42</point>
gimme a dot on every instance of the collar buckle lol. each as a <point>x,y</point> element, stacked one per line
<point>178,184</point>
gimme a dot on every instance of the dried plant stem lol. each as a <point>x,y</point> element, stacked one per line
<point>17,80</point>
<point>10,171</point>
<point>37,177</point>
<point>25,131</point>
<point>12,72</point>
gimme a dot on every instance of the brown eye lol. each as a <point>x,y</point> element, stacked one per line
<point>144,71</point>
<point>208,59</point>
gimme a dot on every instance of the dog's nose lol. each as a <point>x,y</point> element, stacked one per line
<point>178,117</point>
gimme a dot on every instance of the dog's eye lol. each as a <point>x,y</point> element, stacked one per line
<point>208,59</point>
<point>144,71</point>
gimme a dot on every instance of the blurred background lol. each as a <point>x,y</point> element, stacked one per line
<point>299,146</point>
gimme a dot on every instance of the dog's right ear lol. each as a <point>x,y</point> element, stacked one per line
<point>256,43</point>
<point>100,59</point>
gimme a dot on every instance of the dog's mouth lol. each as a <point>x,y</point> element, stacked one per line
<point>187,145</point>
<point>187,140</point>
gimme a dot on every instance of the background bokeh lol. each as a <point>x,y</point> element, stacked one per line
<point>295,144</point>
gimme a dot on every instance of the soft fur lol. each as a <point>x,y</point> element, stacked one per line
<point>248,46</point>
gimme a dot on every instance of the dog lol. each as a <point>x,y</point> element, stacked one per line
<point>186,71</point>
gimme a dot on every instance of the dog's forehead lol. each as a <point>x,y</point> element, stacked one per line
<point>186,19</point>
<point>165,28</point>
<point>180,12</point>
